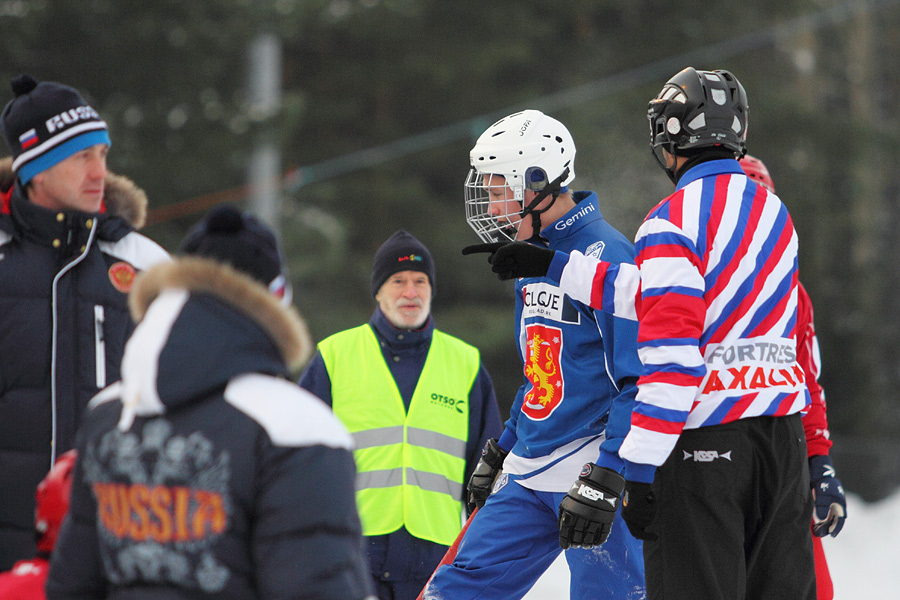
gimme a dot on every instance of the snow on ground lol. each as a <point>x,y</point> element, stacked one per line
<point>863,559</point>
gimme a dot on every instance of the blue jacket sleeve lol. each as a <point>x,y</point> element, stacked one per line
<point>315,379</point>
<point>510,437</point>
<point>620,341</point>
<point>484,419</point>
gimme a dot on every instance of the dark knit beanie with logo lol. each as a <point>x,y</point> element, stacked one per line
<point>46,123</point>
<point>401,252</point>
<point>242,241</point>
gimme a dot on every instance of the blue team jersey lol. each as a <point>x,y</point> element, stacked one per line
<point>580,366</point>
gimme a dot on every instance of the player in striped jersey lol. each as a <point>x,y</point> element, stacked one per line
<point>717,480</point>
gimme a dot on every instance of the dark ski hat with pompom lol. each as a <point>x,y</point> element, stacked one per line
<point>401,252</point>
<point>242,241</point>
<point>45,123</point>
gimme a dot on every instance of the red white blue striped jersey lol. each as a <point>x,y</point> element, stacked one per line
<point>714,291</point>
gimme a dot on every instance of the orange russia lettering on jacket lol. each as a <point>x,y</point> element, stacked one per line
<point>164,514</point>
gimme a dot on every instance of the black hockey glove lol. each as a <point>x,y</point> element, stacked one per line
<point>639,509</point>
<point>831,505</point>
<point>510,260</point>
<point>482,479</point>
<point>586,513</point>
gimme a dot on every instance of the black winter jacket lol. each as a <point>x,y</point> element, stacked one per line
<point>64,278</point>
<point>205,473</point>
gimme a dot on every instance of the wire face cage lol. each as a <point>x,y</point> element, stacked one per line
<point>493,210</point>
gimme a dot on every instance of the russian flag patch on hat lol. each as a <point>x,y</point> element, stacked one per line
<point>28,139</point>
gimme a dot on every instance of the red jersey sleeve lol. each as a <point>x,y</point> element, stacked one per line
<point>815,422</point>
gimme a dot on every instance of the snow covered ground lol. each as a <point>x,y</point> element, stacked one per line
<point>863,559</point>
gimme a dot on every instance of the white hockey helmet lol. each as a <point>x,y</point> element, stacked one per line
<point>529,150</point>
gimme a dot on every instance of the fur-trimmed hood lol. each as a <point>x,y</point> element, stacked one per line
<point>199,275</point>
<point>122,197</point>
<point>201,324</point>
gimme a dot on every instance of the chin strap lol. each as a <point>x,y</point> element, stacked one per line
<point>554,188</point>
<point>671,172</point>
<point>657,156</point>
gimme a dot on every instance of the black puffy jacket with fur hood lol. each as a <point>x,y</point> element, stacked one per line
<point>64,279</point>
<point>206,472</point>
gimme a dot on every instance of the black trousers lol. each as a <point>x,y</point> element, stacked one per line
<point>733,515</point>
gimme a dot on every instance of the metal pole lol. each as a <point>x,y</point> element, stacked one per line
<point>264,95</point>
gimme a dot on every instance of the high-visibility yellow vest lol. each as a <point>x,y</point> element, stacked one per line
<point>410,467</point>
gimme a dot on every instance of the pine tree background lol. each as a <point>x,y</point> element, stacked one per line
<point>381,101</point>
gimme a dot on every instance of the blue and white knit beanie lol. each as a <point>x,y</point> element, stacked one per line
<point>45,123</point>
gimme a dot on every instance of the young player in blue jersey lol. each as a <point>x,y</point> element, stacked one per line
<point>539,486</point>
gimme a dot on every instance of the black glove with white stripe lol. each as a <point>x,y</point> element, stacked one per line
<point>586,513</point>
<point>482,480</point>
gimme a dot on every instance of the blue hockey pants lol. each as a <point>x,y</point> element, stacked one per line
<point>514,538</point>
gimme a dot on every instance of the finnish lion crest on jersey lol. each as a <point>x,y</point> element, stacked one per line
<point>542,369</point>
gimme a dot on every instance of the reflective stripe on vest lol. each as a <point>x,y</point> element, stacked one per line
<point>410,468</point>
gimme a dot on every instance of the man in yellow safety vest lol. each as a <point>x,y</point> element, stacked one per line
<point>420,406</point>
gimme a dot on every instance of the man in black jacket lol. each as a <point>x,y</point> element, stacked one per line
<point>206,472</point>
<point>69,251</point>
